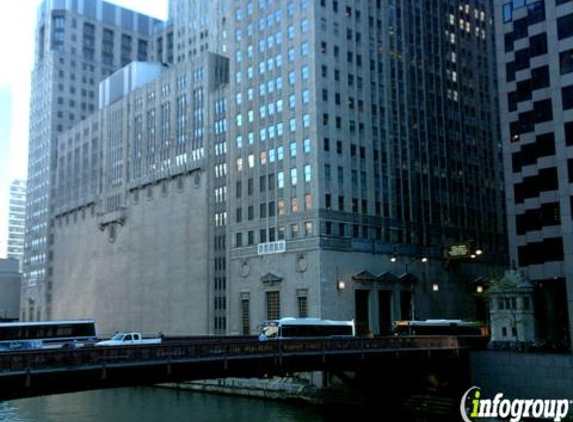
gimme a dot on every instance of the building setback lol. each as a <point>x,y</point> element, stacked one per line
<point>535,65</point>
<point>303,170</point>
<point>78,44</point>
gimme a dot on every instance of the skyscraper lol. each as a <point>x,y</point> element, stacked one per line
<point>77,45</point>
<point>361,131</point>
<point>301,158</point>
<point>16,218</point>
<point>535,65</point>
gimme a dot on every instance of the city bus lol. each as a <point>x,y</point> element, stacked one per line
<point>288,328</point>
<point>48,334</point>
<point>440,327</point>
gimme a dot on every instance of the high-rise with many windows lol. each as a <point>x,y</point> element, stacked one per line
<point>334,152</point>
<point>535,62</point>
<point>361,131</point>
<point>16,217</point>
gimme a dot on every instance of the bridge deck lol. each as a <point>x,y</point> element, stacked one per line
<point>39,372</point>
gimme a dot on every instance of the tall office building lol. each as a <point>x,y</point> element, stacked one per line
<point>300,159</point>
<point>363,138</point>
<point>77,45</point>
<point>16,218</point>
<point>535,61</point>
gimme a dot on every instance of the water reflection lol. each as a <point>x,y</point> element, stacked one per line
<point>154,404</point>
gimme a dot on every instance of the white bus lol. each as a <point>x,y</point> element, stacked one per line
<point>286,328</point>
<point>45,334</point>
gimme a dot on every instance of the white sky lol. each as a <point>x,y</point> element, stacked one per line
<point>17,26</point>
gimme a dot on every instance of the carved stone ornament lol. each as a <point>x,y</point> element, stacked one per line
<point>112,233</point>
<point>245,269</point>
<point>271,278</point>
<point>301,263</point>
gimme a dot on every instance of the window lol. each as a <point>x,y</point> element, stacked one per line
<point>568,128</point>
<point>566,61</point>
<point>238,239</point>
<point>308,201</point>
<point>307,173</point>
<point>302,306</point>
<point>537,45</point>
<point>535,12</point>
<point>543,111</point>
<point>294,204</point>
<point>565,26</point>
<point>567,97</point>
<point>308,228</point>
<point>522,58</point>
<point>245,317</point>
<point>293,149</point>
<point>293,177</point>
<point>273,305</point>
<point>507,12</point>
<point>294,231</point>
<point>540,77</point>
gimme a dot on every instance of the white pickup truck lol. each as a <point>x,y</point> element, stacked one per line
<point>126,339</point>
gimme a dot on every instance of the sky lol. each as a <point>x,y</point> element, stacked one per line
<point>17,26</point>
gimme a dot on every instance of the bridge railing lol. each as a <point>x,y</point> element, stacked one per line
<point>31,360</point>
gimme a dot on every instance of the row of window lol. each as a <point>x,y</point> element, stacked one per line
<point>273,234</point>
<point>269,210</point>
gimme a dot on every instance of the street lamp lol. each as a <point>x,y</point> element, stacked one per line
<point>407,261</point>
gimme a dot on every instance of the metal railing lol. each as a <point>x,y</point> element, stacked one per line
<point>189,350</point>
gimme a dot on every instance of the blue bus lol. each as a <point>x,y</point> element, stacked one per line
<point>46,334</point>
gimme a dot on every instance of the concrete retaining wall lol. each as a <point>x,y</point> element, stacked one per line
<point>523,375</point>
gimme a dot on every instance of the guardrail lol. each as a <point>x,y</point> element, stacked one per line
<point>38,360</point>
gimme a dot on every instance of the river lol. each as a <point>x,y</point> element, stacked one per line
<point>150,404</point>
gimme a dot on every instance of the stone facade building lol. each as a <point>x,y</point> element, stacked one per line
<point>134,232</point>
<point>78,43</point>
<point>10,279</point>
<point>300,158</point>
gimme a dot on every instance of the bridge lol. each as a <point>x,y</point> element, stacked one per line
<point>44,372</point>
